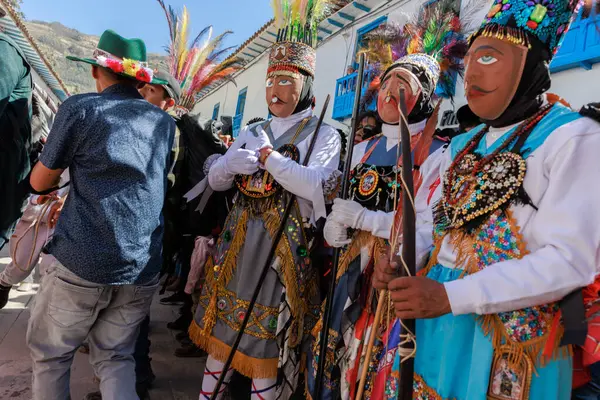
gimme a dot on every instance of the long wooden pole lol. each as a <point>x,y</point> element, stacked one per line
<point>408,245</point>
<point>268,262</point>
<point>374,329</point>
<point>336,253</point>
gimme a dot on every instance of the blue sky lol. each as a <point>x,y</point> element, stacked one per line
<point>145,18</point>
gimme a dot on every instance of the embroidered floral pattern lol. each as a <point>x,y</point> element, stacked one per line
<point>529,323</point>
<point>423,392</point>
<point>496,242</point>
<point>330,362</point>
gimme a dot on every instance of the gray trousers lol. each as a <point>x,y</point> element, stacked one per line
<point>67,310</point>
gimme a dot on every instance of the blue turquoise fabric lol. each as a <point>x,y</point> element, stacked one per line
<point>454,357</point>
<point>558,116</point>
<point>117,147</point>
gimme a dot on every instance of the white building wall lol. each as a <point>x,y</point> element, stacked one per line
<point>336,52</point>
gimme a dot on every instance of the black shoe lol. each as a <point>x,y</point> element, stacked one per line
<point>93,396</point>
<point>180,324</point>
<point>143,384</point>
<point>174,299</point>
<point>190,351</point>
<point>182,336</point>
<point>4,291</point>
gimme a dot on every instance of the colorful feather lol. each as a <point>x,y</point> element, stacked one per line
<point>200,63</point>
<point>297,20</point>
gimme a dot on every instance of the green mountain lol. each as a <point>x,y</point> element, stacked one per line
<point>57,41</point>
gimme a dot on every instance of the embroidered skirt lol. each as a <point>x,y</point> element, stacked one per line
<point>455,360</point>
<point>287,307</point>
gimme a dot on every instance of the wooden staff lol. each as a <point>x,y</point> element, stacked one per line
<point>268,262</point>
<point>374,328</point>
<point>408,248</point>
<point>336,253</point>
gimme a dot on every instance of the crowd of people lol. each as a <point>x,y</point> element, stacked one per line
<point>126,192</point>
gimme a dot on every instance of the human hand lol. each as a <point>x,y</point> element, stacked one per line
<point>335,234</point>
<point>54,213</point>
<point>418,297</point>
<point>385,272</point>
<point>258,142</point>
<point>241,161</point>
<point>347,212</point>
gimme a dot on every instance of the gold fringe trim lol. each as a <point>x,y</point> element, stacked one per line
<point>226,271</point>
<point>288,271</point>
<point>255,368</point>
<point>515,36</point>
<point>362,239</point>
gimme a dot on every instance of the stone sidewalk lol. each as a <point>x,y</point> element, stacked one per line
<point>176,378</point>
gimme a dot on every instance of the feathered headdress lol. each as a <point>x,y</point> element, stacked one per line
<point>297,34</point>
<point>437,31</point>
<point>199,64</point>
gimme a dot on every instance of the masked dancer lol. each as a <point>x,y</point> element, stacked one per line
<point>511,238</point>
<point>265,164</point>
<point>375,185</point>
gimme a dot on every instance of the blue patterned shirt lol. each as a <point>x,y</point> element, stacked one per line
<point>116,146</point>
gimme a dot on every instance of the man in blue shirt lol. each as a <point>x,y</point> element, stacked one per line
<point>108,239</point>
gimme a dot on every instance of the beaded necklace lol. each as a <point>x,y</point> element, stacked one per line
<point>525,127</point>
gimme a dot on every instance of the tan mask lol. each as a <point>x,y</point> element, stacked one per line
<point>283,94</point>
<point>493,72</point>
<point>389,92</point>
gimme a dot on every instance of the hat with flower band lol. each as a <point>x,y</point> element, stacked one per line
<point>297,23</point>
<point>126,57</point>
<point>519,20</point>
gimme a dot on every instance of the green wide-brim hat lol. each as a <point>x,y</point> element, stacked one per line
<point>126,57</point>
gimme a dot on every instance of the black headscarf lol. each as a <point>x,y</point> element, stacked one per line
<point>535,81</point>
<point>306,97</point>
<point>424,105</point>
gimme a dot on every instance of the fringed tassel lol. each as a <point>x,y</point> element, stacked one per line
<point>255,368</point>
<point>512,35</point>
<point>287,262</point>
<point>360,240</point>
<point>225,271</point>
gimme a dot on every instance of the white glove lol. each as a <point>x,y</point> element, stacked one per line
<point>336,234</point>
<point>240,161</point>
<point>348,213</point>
<point>259,142</point>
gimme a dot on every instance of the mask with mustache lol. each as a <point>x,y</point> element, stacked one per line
<point>288,95</point>
<point>418,90</point>
<point>504,81</point>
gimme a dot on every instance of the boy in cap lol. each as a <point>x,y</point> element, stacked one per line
<point>108,239</point>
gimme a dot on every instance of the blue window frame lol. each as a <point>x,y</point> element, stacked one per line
<point>215,114</point>
<point>581,45</point>
<point>360,34</point>
<point>239,111</point>
<point>241,103</point>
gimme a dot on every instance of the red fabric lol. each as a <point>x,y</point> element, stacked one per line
<point>589,354</point>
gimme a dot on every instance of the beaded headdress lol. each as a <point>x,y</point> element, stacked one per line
<point>199,64</point>
<point>432,41</point>
<point>297,22</point>
<point>519,20</point>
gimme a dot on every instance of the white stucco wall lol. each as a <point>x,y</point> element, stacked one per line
<point>337,52</point>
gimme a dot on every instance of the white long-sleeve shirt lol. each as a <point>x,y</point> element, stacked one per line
<point>304,182</point>
<point>562,236</point>
<point>379,223</point>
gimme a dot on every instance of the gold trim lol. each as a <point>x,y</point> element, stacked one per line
<point>255,368</point>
